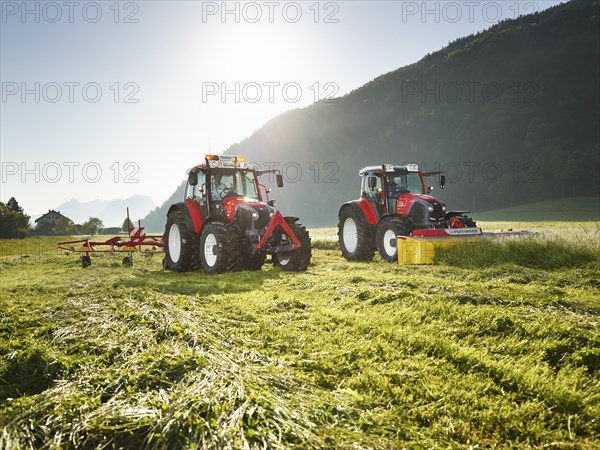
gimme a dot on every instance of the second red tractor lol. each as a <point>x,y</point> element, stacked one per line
<point>395,201</point>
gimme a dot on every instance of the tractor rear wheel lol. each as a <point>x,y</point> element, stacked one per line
<point>181,249</point>
<point>219,247</point>
<point>355,236</point>
<point>386,237</point>
<point>298,259</point>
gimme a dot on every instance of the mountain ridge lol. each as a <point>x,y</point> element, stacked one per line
<point>535,138</point>
<point>111,212</point>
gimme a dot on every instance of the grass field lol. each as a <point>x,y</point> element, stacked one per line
<point>560,209</point>
<point>496,345</point>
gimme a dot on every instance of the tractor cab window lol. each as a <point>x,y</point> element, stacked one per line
<point>233,183</point>
<point>372,186</point>
<point>403,183</point>
<point>194,192</point>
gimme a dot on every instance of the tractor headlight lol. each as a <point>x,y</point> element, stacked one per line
<point>443,208</point>
<point>430,209</point>
<point>254,215</point>
<point>271,214</point>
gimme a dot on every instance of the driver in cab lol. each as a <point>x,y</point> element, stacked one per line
<point>218,187</point>
<point>391,184</point>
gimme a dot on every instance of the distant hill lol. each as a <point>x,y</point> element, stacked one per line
<point>111,212</point>
<point>513,118</point>
<point>155,220</point>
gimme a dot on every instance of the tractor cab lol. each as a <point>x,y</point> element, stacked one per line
<point>223,182</point>
<point>388,186</point>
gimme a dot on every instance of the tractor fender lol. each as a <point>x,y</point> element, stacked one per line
<point>191,213</point>
<point>399,216</point>
<point>363,208</point>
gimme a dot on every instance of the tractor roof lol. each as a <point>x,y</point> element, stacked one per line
<point>222,162</point>
<point>390,168</point>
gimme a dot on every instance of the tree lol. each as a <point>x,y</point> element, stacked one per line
<point>44,229</point>
<point>127,224</point>
<point>13,223</point>
<point>64,226</point>
<point>13,205</point>
<point>92,226</point>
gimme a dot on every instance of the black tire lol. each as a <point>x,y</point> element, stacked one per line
<point>181,244</point>
<point>219,247</point>
<point>296,260</point>
<point>128,261</point>
<point>467,221</point>
<point>363,247</point>
<point>86,261</point>
<point>387,230</point>
<point>251,261</point>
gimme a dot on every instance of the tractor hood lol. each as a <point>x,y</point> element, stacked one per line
<point>422,197</point>
<point>254,209</point>
<point>434,206</point>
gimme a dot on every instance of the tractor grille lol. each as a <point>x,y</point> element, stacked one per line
<point>263,218</point>
<point>438,212</point>
<point>244,217</point>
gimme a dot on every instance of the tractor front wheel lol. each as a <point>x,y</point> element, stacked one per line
<point>467,221</point>
<point>86,261</point>
<point>355,236</point>
<point>219,247</point>
<point>251,260</point>
<point>388,230</point>
<point>298,259</point>
<point>181,249</point>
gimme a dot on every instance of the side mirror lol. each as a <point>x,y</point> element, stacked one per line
<point>372,181</point>
<point>279,179</point>
<point>193,178</point>
<point>442,181</point>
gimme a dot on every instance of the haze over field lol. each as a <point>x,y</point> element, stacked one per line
<point>108,104</point>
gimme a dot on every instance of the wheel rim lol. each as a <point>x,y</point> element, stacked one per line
<point>284,258</point>
<point>174,243</point>
<point>210,243</point>
<point>388,237</point>
<point>350,234</point>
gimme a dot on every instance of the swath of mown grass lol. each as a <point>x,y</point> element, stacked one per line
<point>346,355</point>
<point>533,252</point>
<point>145,374</point>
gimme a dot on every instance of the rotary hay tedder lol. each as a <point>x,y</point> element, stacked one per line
<point>136,241</point>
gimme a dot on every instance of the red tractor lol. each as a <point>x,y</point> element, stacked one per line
<point>225,223</point>
<point>395,202</point>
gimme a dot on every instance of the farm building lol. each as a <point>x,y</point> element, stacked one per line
<point>46,223</point>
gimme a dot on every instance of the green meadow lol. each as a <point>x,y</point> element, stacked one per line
<point>495,345</point>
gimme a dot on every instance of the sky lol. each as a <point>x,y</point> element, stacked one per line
<point>105,100</point>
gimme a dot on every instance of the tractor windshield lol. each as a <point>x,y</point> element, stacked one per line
<point>399,183</point>
<point>228,183</point>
